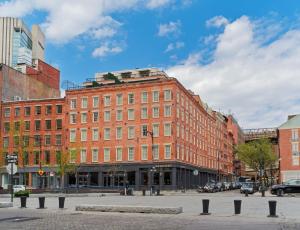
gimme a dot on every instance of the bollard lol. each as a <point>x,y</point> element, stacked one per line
<point>263,193</point>
<point>272,208</point>
<point>61,202</point>
<point>158,192</point>
<point>23,201</point>
<point>144,192</point>
<point>237,206</point>
<point>246,193</point>
<point>41,202</point>
<point>205,205</point>
<point>280,192</point>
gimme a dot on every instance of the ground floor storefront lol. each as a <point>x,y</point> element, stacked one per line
<point>164,176</point>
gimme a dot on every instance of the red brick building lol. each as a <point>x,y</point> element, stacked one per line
<point>140,127</point>
<point>289,161</point>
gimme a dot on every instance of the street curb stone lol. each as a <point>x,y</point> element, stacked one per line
<point>129,209</point>
<point>6,204</point>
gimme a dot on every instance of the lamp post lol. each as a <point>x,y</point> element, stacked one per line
<point>152,168</point>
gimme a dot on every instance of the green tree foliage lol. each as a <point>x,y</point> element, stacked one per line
<point>257,154</point>
<point>64,166</point>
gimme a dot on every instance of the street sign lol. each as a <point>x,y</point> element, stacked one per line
<point>195,172</point>
<point>14,168</point>
<point>40,172</point>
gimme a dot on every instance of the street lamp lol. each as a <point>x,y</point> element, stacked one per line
<point>153,168</point>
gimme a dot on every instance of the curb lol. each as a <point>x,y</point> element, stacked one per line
<point>6,204</point>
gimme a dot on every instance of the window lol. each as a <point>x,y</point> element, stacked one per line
<point>144,152</point>
<point>295,147</point>
<point>58,109</point>
<point>294,134</point>
<point>106,154</point>
<point>107,134</point>
<point>95,102</point>
<point>5,142</point>
<point>119,154</point>
<point>37,125</point>
<point>130,153</point>
<point>38,110</point>
<point>84,102</point>
<point>72,118</point>
<point>167,95</point>
<point>155,130</point>
<point>167,151</point>
<point>16,141</point>
<point>130,132</point>
<point>58,124</point>
<point>36,157</point>
<point>144,130</point>
<point>6,112</point>
<point>58,139</point>
<point>83,135</point>
<point>72,135</point>
<point>119,133</point>
<point>6,127</point>
<point>17,126</point>
<point>144,97</point>
<point>144,113</point>
<point>25,158</point>
<point>73,104</point>
<point>119,115</point>
<point>25,141</point>
<point>48,124</point>
<point>106,115</point>
<point>95,155</point>
<point>83,156</point>
<point>295,161</point>
<point>155,96</point>
<point>167,129</point>
<point>130,98</point>
<point>48,109</point>
<point>73,155</point>
<point>47,157</point>
<point>37,140</point>
<point>27,111</point>
<point>130,114</point>
<point>155,152</point>
<point>95,116</point>
<point>83,117</point>
<point>95,134</point>
<point>107,101</point>
<point>119,99</point>
<point>155,112</point>
<point>17,112</point>
<point>167,111</point>
<point>47,140</point>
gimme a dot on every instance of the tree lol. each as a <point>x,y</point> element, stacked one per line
<point>257,154</point>
<point>64,166</point>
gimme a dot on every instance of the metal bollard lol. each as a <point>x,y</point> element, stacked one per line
<point>144,192</point>
<point>205,205</point>
<point>158,192</point>
<point>41,202</point>
<point>23,201</point>
<point>237,206</point>
<point>246,193</point>
<point>272,208</point>
<point>61,202</point>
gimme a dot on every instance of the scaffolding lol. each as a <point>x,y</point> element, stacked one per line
<point>254,134</point>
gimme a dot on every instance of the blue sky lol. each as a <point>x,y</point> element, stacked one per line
<point>228,51</point>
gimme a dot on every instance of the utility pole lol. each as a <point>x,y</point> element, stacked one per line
<point>152,168</point>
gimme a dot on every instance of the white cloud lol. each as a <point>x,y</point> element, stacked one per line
<point>173,46</point>
<point>153,4</point>
<point>169,28</point>
<point>106,49</point>
<point>258,82</point>
<point>217,21</point>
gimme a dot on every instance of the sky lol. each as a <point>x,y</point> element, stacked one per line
<point>241,56</point>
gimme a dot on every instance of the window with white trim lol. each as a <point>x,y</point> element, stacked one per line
<point>167,95</point>
<point>95,102</point>
<point>73,103</point>
<point>119,154</point>
<point>106,115</point>
<point>119,133</point>
<point>95,155</point>
<point>130,153</point>
<point>83,156</point>
<point>95,116</point>
<point>107,100</point>
<point>155,152</point>
<point>144,97</point>
<point>106,133</point>
<point>144,152</point>
<point>155,96</point>
<point>144,130</point>
<point>6,112</point>
<point>95,134</point>
<point>106,154</point>
<point>167,151</point>
<point>73,118</point>
<point>130,114</point>
<point>83,117</point>
<point>131,131</point>
<point>155,112</point>
<point>167,129</point>
<point>119,115</point>
<point>167,111</point>
<point>294,134</point>
<point>73,155</point>
<point>119,99</point>
<point>83,134</point>
<point>144,113</point>
<point>130,98</point>
<point>84,102</point>
<point>155,130</point>
<point>72,135</point>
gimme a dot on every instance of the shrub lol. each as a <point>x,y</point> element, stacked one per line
<point>22,193</point>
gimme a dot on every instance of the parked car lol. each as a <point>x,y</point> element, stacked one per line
<point>220,186</point>
<point>290,186</point>
<point>227,185</point>
<point>18,188</point>
<point>249,187</point>
<point>210,187</point>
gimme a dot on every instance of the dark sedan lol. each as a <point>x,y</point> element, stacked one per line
<point>290,186</point>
